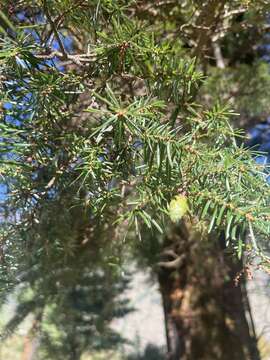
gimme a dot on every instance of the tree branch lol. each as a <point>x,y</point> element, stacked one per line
<point>61,45</point>
<point>174,264</point>
<point>218,55</point>
<point>78,59</point>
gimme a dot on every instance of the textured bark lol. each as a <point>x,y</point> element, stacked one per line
<point>205,312</point>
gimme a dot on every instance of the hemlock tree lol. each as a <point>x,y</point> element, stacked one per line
<point>107,138</point>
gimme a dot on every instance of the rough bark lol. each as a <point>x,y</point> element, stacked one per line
<point>205,311</point>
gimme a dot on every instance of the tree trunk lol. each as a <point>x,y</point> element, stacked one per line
<point>205,311</point>
<point>31,340</point>
<point>30,348</point>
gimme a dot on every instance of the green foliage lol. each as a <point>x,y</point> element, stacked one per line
<point>151,353</point>
<point>98,139</point>
<point>245,91</point>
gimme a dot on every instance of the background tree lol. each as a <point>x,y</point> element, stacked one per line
<point>108,134</point>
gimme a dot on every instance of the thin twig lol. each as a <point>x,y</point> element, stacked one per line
<point>61,45</point>
<point>78,59</point>
<point>234,12</point>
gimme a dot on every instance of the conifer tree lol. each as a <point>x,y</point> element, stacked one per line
<point>108,137</point>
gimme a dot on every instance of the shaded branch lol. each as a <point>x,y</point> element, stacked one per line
<point>53,26</point>
<point>174,264</point>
